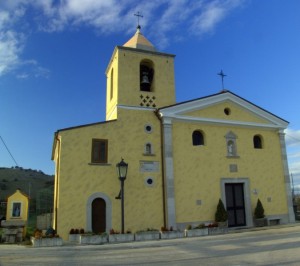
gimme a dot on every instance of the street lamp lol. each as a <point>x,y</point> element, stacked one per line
<point>122,172</point>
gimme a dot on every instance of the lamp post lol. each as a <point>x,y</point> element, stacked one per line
<point>122,172</point>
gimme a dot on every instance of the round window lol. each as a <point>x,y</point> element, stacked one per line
<point>148,128</point>
<point>149,181</point>
<point>227,111</point>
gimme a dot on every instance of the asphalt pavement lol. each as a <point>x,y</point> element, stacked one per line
<point>275,245</point>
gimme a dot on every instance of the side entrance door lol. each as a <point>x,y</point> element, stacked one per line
<point>235,204</point>
<point>98,215</point>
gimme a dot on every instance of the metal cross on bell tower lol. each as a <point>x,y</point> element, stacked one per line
<point>138,15</point>
<point>222,77</point>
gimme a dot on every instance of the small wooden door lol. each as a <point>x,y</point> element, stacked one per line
<point>98,215</point>
<point>235,204</point>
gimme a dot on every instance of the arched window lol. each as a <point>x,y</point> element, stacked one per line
<point>148,149</point>
<point>146,75</point>
<point>257,142</point>
<point>198,138</point>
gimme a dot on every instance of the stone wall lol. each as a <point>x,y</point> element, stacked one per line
<point>44,221</point>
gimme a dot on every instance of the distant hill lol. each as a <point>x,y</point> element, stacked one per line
<point>27,180</point>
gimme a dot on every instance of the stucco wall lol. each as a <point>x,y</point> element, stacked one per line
<point>199,169</point>
<point>78,178</point>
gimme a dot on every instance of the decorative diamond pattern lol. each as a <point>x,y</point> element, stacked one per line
<point>147,100</point>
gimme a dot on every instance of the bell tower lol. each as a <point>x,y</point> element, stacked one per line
<point>139,76</point>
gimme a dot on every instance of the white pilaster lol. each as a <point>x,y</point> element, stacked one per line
<point>287,180</point>
<point>169,173</point>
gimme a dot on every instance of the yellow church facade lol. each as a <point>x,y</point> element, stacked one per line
<point>182,157</point>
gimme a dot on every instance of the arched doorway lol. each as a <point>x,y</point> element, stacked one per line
<point>98,215</point>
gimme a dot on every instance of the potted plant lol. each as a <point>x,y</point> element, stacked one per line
<point>217,228</point>
<point>148,234</point>
<point>73,237</point>
<point>221,215</point>
<point>115,236</point>
<point>50,239</point>
<point>170,233</point>
<point>89,238</point>
<point>199,230</point>
<point>259,214</point>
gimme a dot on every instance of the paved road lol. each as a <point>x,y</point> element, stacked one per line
<point>273,246</point>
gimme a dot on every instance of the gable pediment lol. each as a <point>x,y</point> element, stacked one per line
<point>223,108</point>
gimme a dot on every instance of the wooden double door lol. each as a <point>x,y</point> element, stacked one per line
<point>235,204</point>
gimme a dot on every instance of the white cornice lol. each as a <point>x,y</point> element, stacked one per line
<point>178,111</point>
<point>203,120</point>
<point>137,108</point>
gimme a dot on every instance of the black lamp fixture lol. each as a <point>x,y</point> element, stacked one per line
<point>122,169</point>
<point>122,173</point>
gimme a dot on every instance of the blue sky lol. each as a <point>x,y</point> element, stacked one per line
<point>53,56</point>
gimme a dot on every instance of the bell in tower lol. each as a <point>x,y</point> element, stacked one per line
<point>146,77</point>
<point>139,76</point>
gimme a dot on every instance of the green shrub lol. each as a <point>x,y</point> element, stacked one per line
<point>221,214</point>
<point>259,211</point>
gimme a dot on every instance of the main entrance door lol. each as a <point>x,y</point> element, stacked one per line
<point>235,204</point>
<point>98,215</point>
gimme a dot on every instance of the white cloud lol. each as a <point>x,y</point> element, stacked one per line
<point>4,19</point>
<point>23,76</point>
<point>195,17</point>
<point>292,137</point>
<point>293,151</point>
<point>76,7</point>
<point>11,45</point>
<point>11,41</point>
<point>161,19</point>
<point>41,72</point>
<point>212,14</point>
<point>160,16</point>
<point>100,14</point>
<point>176,13</point>
<point>295,168</point>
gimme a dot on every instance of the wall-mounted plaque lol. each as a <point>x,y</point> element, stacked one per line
<point>149,166</point>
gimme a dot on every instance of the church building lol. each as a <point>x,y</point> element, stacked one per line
<point>182,157</point>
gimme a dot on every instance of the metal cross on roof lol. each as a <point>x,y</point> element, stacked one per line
<point>138,15</point>
<point>222,77</point>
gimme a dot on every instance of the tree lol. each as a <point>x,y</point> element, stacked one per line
<point>221,214</point>
<point>259,211</point>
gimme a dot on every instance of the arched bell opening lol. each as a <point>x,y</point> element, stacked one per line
<point>146,75</point>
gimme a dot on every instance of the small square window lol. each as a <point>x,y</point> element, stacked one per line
<point>99,151</point>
